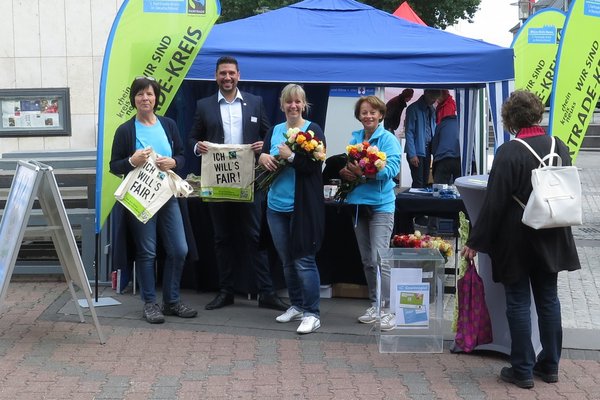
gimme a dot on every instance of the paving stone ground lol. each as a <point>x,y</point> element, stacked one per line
<point>50,358</point>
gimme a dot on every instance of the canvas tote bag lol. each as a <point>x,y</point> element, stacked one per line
<point>555,200</point>
<point>227,173</point>
<point>146,189</point>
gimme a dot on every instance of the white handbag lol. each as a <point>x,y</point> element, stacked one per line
<point>555,200</point>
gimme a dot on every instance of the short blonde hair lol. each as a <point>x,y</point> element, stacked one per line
<point>290,91</point>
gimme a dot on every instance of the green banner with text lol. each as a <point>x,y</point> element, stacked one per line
<point>535,47</point>
<point>577,75</point>
<point>158,38</point>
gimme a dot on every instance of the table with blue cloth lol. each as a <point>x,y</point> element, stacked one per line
<point>409,205</point>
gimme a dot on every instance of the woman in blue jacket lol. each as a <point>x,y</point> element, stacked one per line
<point>374,198</point>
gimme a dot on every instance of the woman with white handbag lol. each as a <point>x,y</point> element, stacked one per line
<point>524,257</point>
<point>133,143</point>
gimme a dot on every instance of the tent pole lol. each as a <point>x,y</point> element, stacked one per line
<point>96,263</point>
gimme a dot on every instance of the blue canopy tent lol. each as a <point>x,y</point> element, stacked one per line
<point>344,42</point>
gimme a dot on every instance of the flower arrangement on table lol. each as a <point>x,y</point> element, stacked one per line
<point>368,158</point>
<point>420,241</point>
<point>299,142</point>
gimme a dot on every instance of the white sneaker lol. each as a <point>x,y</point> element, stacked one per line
<point>309,324</point>
<point>388,322</point>
<point>369,316</point>
<point>291,314</point>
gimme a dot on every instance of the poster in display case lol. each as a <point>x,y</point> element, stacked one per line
<point>35,112</point>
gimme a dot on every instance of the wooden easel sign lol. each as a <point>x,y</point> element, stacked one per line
<point>36,180</point>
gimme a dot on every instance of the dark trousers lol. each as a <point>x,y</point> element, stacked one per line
<point>237,225</point>
<point>446,170</point>
<point>518,304</point>
<point>420,174</point>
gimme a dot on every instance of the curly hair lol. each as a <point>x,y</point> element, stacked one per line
<point>522,110</point>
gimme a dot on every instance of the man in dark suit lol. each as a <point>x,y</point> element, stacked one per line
<point>234,117</point>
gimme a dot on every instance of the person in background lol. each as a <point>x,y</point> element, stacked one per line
<point>375,200</point>
<point>234,117</point>
<point>134,141</point>
<point>296,210</point>
<point>445,148</point>
<point>420,127</point>
<point>445,106</point>
<point>394,109</point>
<point>522,257</point>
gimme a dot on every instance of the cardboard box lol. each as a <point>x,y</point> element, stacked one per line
<point>326,291</point>
<point>350,290</point>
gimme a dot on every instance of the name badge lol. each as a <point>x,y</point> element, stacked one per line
<point>253,119</point>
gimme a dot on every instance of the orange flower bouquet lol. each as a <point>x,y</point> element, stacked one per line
<point>370,160</point>
<point>299,142</point>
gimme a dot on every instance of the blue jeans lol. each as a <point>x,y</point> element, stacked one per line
<point>167,223</point>
<point>518,304</point>
<point>301,274</point>
<point>372,233</point>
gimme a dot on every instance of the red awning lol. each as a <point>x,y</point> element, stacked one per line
<point>406,12</point>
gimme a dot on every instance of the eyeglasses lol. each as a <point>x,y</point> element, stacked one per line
<point>150,78</point>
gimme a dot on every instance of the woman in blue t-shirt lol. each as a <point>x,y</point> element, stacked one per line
<point>134,141</point>
<point>296,210</point>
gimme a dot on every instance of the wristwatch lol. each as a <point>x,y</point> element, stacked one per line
<point>290,159</point>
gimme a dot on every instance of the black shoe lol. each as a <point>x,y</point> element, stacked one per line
<point>180,309</point>
<point>272,301</point>
<point>508,375</point>
<point>548,377</point>
<point>222,300</point>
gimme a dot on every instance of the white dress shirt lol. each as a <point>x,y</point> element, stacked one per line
<point>231,114</point>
